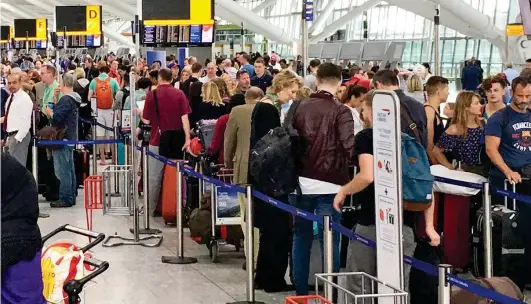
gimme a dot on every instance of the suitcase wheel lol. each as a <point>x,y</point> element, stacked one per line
<point>214,251</point>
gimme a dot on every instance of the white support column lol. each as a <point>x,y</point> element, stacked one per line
<point>320,22</point>
<point>253,22</point>
<point>348,17</point>
<point>262,6</point>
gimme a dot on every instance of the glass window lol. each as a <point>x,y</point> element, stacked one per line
<point>447,55</point>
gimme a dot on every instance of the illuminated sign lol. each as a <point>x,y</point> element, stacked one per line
<point>79,20</point>
<point>31,29</point>
<point>514,29</point>
<point>178,12</point>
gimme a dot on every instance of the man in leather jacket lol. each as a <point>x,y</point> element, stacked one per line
<point>326,130</point>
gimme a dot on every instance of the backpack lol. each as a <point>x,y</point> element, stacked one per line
<point>103,92</point>
<point>272,164</point>
<point>417,181</point>
<point>60,263</point>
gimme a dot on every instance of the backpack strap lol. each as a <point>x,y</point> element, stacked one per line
<point>411,124</point>
<point>125,94</point>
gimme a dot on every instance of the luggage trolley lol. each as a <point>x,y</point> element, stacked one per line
<point>74,287</point>
<point>346,296</point>
<point>225,210</point>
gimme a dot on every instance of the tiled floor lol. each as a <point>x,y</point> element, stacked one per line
<point>136,274</point>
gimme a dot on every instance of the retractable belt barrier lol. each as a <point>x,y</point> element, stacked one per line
<point>78,142</point>
<point>88,121</point>
<point>418,264</point>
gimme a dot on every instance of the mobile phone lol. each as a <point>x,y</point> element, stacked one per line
<point>50,105</point>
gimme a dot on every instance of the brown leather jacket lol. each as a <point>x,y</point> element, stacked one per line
<point>326,129</point>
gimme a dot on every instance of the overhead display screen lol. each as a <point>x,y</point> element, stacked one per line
<point>80,41</point>
<point>178,12</point>
<point>32,29</point>
<point>177,35</point>
<point>33,44</point>
<point>79,20</point>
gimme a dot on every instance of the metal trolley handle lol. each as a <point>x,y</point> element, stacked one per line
<point>98,237</point>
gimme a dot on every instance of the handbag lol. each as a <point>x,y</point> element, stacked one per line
<point>171,141</point>
<point>52,133</point>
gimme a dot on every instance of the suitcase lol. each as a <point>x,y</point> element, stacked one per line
<point>349,219</point>
<point>501,285</point>
<point>422,286</point>
<point>120,153</point>
<point>168,196</point>
<point>81,165</point>
<point>452,221</point>
<point>507,244</point>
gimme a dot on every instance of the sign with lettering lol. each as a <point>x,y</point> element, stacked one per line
<point>387,191</point>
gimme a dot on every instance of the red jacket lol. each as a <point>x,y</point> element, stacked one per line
<point>216,146</point>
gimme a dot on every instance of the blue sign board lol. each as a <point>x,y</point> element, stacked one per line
<point>308,10</point>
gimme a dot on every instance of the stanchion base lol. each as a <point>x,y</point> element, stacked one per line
<point>178,260</point>
<point>131,241</point>
<point>146,231</point>
<point>246,302</point>
<point>44,215</point>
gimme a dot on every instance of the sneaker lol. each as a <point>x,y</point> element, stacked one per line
<point>60,204</point>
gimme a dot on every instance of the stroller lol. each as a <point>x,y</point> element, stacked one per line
<point>74,287</point>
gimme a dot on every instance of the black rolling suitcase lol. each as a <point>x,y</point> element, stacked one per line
<point>507,244</point>
<point>81,165</point>
<point>349,219</point>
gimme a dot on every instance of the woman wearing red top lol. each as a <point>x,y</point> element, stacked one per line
<point>216,146</point>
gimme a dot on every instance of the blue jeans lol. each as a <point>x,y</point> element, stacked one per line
<point>321,204</point>
<point>63,163</point>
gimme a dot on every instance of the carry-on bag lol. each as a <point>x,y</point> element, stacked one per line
<point>423,286</point>
<point>81,165</point>
<point>507,244</point>
<point>452,220</point>
<point>501,285</point>
<point>168,195</point>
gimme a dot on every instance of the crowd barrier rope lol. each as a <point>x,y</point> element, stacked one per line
<point>78,142</point>
<point>418,264</point>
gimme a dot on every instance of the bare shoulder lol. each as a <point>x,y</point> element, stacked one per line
<point>453,130</point>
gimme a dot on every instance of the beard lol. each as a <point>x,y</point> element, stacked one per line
<point>521,105</point>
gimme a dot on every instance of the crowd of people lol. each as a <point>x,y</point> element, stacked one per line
<point>251,95</point>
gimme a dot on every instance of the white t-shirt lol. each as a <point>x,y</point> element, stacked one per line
<point>315,186</point>
<point>358,124</point>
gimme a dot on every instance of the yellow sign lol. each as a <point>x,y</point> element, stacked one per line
<point>93,19</point>
<point>42,28</point>
<point>200,13</point>
<point>11,32</point>
<point>514,29</point>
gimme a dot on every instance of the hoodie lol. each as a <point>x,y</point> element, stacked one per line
<point>65,114</point>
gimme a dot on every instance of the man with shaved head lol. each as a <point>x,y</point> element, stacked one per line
<point>211,70</point>
<point>16,122</point>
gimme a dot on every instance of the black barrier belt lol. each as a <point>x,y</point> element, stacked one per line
<point>423,266</point>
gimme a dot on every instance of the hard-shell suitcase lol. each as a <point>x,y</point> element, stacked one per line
<point>168,195</point>
<point>81,165</point>
<point>507,244</point>
<point>452,221</point>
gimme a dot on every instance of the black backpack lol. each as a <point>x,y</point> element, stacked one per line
<point>272,162</point>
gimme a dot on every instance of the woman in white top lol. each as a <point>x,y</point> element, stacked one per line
<point>415,88</point>
<point>352,98</point>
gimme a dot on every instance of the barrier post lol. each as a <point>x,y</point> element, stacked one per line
<point>180,259</point>
<point>487,231</point>
<point>249,247</point>
<point>145,186</point>
<point>328,254</point>
<point>94,148</point>
<point>34,151</point>
<point>445,290</point>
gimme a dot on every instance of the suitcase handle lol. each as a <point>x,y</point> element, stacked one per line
<point>98,237</point>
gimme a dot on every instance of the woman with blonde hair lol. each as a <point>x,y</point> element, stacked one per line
<point>212,106</point>
<point>274,224</point>
<point>415,88</point>
<point>223,89</point>
<point>463,137</point>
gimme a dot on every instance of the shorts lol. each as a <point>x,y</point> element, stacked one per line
<point>106,118</point>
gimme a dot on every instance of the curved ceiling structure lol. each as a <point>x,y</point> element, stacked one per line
<point>455,14</point>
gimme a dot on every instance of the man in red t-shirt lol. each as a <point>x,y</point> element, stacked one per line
<point>114,73</point>
<point>357,77</point>
<point>172,114</point>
